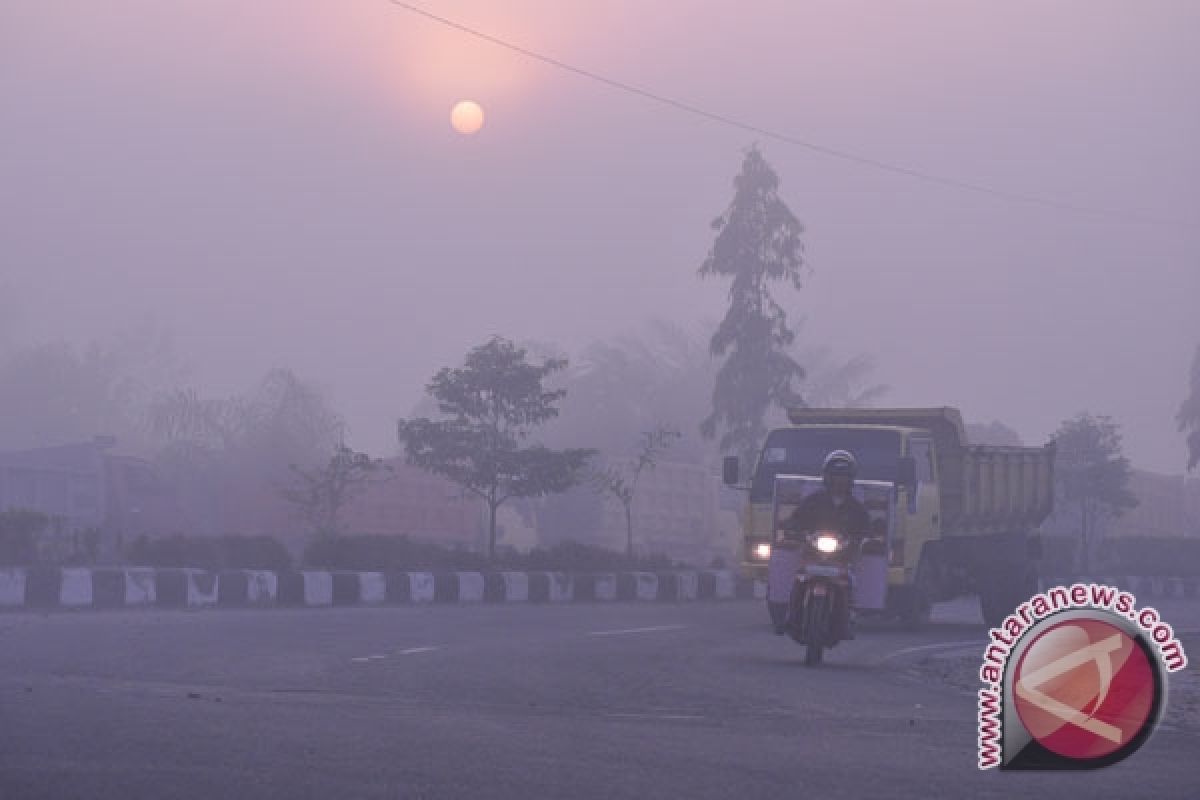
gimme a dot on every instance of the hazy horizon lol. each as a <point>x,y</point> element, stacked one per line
<point>279,185</point>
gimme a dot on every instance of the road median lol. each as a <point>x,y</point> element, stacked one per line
<point>44,588</point>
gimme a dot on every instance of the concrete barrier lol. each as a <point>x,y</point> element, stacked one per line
<point>262,587</point>
<point>470,587</point>
<point>604,587</point>
<point>675,586</point>
<point>420,587</point>
<point>516,587</point>
<point>372,588</point>
<point>119,587</point>
<point>647,586</point>
<point>75,588</point>
<point>318,588</point>
<point>716,585</point>
<point>202,588</point>
<point>687,586</point>
<point>561,586</point>
<point>140,586</point>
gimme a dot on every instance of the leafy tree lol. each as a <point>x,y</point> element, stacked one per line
<point>321,494</point>
<point>757,243</point>
<point>665,372</point>
<point>1189,414</point>
<point>492,405</point>
<point>831,383</point>
<point>1092,475</point>
<point>622,482</point>
<point>628,384</point>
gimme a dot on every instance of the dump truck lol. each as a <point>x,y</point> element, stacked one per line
<point>967,516</point>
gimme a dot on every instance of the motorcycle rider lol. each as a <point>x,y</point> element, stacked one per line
<point>834,507</point>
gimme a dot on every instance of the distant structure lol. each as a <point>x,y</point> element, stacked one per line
<point>418,504</point>
<point>678,511</point>
<point>1168,505</point>
<point>90,493</point>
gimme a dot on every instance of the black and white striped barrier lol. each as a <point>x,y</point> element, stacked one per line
<point>118,587</point>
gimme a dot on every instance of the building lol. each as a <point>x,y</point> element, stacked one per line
<point>91,494</point>
<point>1168,505</point>
<point>413,502</point>
<point>676,512</point>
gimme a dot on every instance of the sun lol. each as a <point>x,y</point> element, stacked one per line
<point>467,117</point>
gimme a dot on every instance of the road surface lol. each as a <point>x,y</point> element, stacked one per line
<point>597,701</point>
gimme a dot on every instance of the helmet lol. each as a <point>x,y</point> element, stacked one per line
<point>839,462</point>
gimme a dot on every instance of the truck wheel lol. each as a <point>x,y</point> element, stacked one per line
<point>994,606</point>
<point>1001,597</point>
<point>918,607</point>
<point>778,613</point>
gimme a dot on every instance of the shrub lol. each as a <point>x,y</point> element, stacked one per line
<point>19,532</point>
<point>1058,555</point>
<point>225,552</point>
<point>399,553</point>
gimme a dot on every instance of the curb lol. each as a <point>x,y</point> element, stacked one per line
<point>147,587</point>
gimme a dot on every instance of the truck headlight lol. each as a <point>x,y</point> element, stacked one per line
<point>762,551</point>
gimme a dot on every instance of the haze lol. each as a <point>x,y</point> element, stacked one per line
<point>277,184</point>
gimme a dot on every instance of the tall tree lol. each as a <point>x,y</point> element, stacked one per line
<point>492,405</point>
<point>1092,475</point>
<point>757,244</point>
<point>622,481</point>
<point>321,494</point>
<point>1189,414</point>
<point>58,393</point>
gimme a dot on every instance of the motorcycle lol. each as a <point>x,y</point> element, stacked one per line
<point>819,610</point>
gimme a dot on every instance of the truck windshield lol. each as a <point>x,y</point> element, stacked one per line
<point>801,451</point>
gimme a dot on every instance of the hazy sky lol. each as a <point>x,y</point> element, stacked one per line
<point>278,183</point>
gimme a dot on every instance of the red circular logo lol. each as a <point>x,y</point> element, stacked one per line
<point>1084,689</point>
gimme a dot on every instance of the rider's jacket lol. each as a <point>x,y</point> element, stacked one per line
<point>818,512</point>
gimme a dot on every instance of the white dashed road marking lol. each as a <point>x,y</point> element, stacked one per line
<point>651,629</point>
<point>972,645</point>
<point>380,656</point>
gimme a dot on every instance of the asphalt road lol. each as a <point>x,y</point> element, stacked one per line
<point>581,701</point>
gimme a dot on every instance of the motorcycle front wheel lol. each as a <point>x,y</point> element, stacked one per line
<point>816,627</point>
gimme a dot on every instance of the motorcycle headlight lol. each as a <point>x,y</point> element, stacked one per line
<point>827,543</point>
<point>762,551</point>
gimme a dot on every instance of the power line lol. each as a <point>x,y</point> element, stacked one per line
<point>766,132</point>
